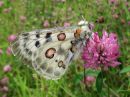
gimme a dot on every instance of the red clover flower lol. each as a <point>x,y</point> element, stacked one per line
<point>101,51</point>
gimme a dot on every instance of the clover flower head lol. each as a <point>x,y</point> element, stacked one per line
<point>7,68</point>
<point>22,18</point>
<point>66,24</point>
<point>102,51</point>
<point>1,3</point>
<point>46,23</point>
<point>11,38</point>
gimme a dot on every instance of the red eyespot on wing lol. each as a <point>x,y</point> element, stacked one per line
<point>61,36</point>
<point>50,53</point>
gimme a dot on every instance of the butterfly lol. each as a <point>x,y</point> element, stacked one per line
<point>50,51</point>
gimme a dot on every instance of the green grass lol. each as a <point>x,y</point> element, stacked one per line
<point>24,82</point>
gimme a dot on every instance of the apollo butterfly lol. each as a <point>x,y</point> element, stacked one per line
<point>50,51</point>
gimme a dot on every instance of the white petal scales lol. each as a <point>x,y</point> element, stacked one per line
<point>50,51</point>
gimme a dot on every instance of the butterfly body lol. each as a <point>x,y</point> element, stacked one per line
<point>51,50</point>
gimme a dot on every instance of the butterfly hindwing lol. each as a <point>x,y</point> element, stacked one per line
<point>52,60</point>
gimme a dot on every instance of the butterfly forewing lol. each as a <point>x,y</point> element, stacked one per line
<point>29,42</point>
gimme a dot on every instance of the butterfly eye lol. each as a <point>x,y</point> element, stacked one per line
<point>50,53</point>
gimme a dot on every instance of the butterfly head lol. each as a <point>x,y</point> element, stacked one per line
<point>85,29</point>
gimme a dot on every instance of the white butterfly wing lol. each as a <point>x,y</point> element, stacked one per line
<point>28,43</point>
<point>51,50</point>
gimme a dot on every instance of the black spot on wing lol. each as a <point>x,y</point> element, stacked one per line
<point>37,35</point>
<point>48,36</point>
<point>26,50</point>
<point>37,44</point>
<point>56,60</point>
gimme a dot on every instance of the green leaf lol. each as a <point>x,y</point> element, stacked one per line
<point>99,82</point>
<point>125,70</point>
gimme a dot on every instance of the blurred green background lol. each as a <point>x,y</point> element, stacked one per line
<point>26,15</point>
